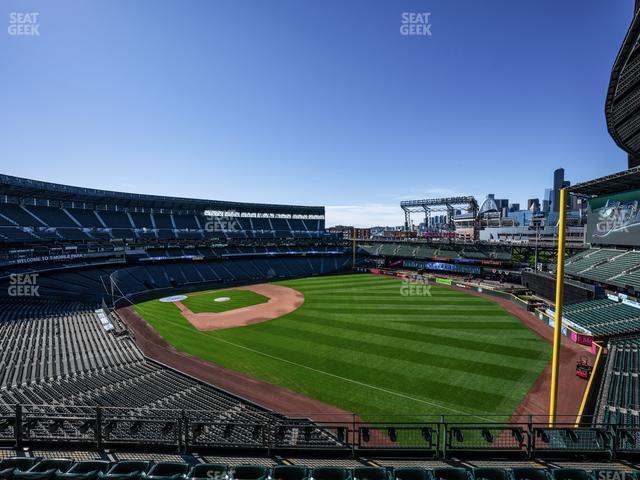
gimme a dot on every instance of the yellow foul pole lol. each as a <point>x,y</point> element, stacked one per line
<point>557,330</point>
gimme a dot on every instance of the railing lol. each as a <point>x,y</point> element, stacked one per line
<point>441,436</point>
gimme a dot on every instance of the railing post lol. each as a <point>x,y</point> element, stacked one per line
<point>18,426</point>
<point>185,426</point>
<point>179,432</point>
<point>98,427</point>
<point>530,436</point>
<point>443,448</point>
<point>353,427</point>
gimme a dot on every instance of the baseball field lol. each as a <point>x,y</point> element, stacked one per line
<point>365,344</point>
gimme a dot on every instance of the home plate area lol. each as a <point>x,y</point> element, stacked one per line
<point>279,301</point>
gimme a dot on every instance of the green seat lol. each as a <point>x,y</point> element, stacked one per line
<point>370,473</point>
<point>330,473</point>
<point>208,471</point>
<point>450,473</point>
<point>569,474</point>
<point>289,472</point>
<point>44,470</point>
<point>19,463</point>
<point>167,471</point>
<point>126,470</point>
<point>490,474</point>
<point>250,472</point>
<point>528,473</point>
<point>85,470</point>
<point>410,473</point>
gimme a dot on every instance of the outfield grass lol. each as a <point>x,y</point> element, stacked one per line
<point>357,343</point>
<point>204,301</point>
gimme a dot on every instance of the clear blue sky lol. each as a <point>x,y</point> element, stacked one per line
<point>311,101</point>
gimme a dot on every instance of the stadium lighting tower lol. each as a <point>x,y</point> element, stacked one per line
<point>557,326</point>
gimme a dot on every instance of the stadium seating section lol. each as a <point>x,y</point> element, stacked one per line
<point>25,468</point>
<point>604,317</point>
<point>619,268</point>
<point>28,223</point>
<point>435,250</point>
<point>619,397</point>
<point>62,355</point>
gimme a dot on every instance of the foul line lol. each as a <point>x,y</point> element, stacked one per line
<point>391,392</point>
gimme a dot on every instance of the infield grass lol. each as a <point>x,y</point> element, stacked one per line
<point>201,302</point>
<point>359,344</point>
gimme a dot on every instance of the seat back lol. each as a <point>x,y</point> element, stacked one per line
<point>410,473</point>
<point>61,464</point>
<point>528,473</point>
<point>88,466</point>
<point>249,472</point>
<point>125,467</point>
<point>490,474</point>
<point>169,469</point>
<point>569,474</point>
<point>289,472</point>
<point>209,471</point>
<point>450,473</point>
<point>370,473</point>
<point>20,463</point>
<point>330,473</point>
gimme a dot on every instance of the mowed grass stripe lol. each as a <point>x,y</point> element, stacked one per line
<point>369,362</point>
<point>349,340</point>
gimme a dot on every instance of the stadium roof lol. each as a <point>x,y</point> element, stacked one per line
<point>27,188</point>
<point>622,105</point>
<point>609,184</point>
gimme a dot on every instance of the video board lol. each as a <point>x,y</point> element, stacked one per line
<point>614,219</point>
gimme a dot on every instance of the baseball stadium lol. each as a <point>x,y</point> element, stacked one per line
<point>148,337</point>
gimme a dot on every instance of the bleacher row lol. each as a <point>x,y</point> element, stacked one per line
<point>453,251</point>
<point>620,268</point>
<point>21,468</point>
<point>604,317</point>
<point>619,396</point>
<point>20,223</point>
<point>60,356</point>
<point>51,341</point>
